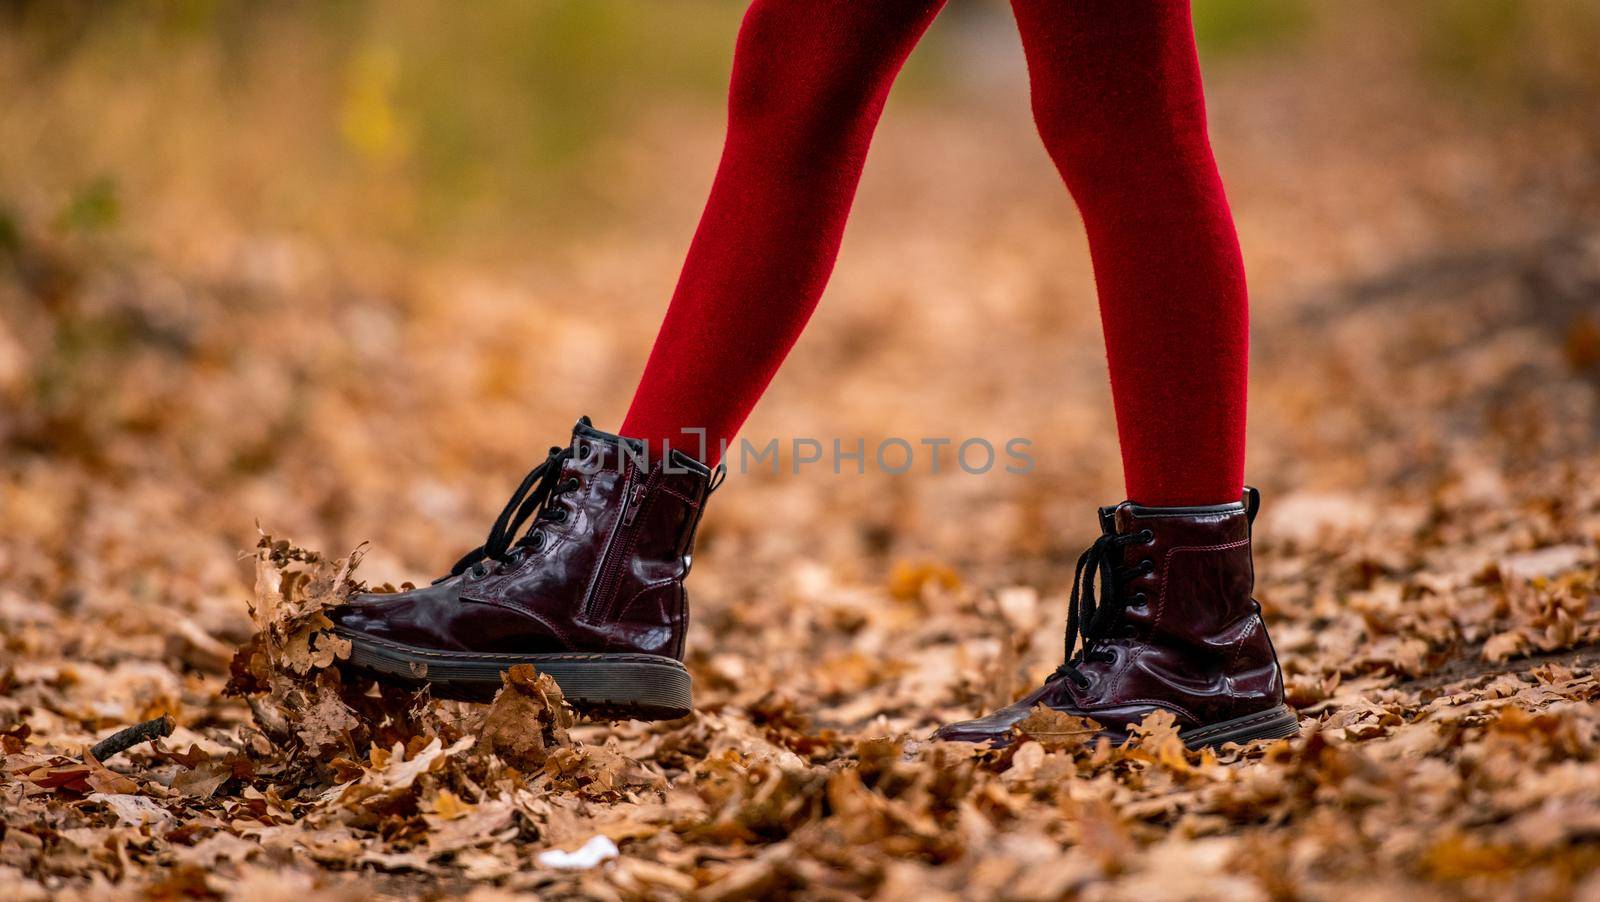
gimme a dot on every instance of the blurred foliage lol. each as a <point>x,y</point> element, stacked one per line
<point>500,105</point>
<point>1512,50</point>
<point>426,121</point>
<point>10,234</point>
<point>92,208</point>
<point>1231,26</point>
<point>447,111</point>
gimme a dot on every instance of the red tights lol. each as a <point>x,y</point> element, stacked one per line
<point>1118,101</point>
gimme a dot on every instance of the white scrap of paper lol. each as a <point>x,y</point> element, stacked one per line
<point>591,853</point>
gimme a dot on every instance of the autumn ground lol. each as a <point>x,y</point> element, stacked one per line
<point>1425,272</point>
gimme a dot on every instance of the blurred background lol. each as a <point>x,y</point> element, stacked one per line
<point>344,270</point>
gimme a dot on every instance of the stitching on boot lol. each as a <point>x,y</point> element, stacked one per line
<point>1238,647</point>
<point>531,615</point>
<point>679,495</point>
<point>1127,664</point>
<point>1166,566</point>
<point>620,609</point>
<point>539,619</point>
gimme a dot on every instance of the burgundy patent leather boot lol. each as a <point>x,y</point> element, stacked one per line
<point>592,593</point>
<point>1174,628</point>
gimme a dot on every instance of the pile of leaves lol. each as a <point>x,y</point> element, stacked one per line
<point>1401,774</point>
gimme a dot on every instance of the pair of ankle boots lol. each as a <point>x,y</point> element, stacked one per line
<point>582,576</point>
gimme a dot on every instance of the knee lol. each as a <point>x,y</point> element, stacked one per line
<point>1101,133</point>
<point>1093,144</point>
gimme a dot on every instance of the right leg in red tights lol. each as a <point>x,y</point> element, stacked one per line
<point>1117,95</point>
<point>809,81</point>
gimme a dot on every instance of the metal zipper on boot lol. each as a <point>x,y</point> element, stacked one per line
<point>617,550</point>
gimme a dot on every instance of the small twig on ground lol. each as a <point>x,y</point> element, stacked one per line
<point>122,740</point>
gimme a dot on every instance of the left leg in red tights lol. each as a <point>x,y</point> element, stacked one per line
<point>1117,96</point>
<point>809,80</point>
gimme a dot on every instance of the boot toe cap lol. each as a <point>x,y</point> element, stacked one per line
<point>362,614</point>
<point>994,728</point>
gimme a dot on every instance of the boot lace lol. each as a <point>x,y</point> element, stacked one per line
<point>539,488</point>
<point>1094,620</point>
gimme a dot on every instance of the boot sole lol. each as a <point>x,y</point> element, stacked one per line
<point>1273,723</point>
<point>610,686</point>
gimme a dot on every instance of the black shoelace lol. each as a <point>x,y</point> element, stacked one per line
<point>538,488</point>
<point>1095,620</point>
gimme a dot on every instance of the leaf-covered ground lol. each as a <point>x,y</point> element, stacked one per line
<point>1427,357</point>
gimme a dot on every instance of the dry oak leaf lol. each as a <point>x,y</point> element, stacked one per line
<point>447,806</point>
<point>328,722</point>
<point>1057,730</point>
<point>72,776</point>
<point>599,772</point>
<point>102,779</point>
<point>1157,736</point>
<point>456,825</point>
<point>1505,645</point>
<point>312,647</point>
<point>527,719</point>
<point>397,774</point>
<point>909,579</point>
<point>203,780</point>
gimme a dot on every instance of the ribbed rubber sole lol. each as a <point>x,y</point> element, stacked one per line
<point>617,686</point>
<point>1273,723</point>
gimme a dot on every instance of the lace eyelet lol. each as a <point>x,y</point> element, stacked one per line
<point>1140,599</point>
<point>1146,536</point>
<point>571,485</point>
<point>477,571</point>
<point>1147,566</point>
<point>560,515</point>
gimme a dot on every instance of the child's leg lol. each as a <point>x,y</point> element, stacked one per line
<point>809,80</point>
<point>1117,95</point>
